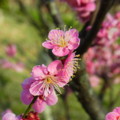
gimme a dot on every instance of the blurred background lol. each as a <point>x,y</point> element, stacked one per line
<point>24,25</point>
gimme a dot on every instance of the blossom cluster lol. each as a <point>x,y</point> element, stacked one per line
<point>84,8</point>
<point>45,81</point>
<point>104,56</point>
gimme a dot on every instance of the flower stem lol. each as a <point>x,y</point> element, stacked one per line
<point>29,107</point>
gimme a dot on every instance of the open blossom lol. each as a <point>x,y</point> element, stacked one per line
<point>10,116</point>
<point>84,8</point>
<point>114,115</point>
<point>47,78</point>
<point>62,42</point>
<point>11,50</point>
<point>41,102</point>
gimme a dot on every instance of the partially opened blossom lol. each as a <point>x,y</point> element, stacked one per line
<point>114,115</point>
<point>41,102</point>
<point>71,65</point>
<point>62,42</point>
<point>11,50</point>
<point>47,78</point>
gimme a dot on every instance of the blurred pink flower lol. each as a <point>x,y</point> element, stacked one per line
<point>110,30</point>
<point>41,102</point>
<point>11,50</point>
<point>84,8</point>
<point>114,115</point>
<point>62,42</point>
<point>18,67</point>
<point>94,80</point>
<point>10,116</point>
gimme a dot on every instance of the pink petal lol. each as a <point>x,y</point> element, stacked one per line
<point>74,45</point>
<point>36,88</point>
<point>55,34</point>
<point>79,2</point>
<point>27,82</point>
<point>47,44</point>
<point>117,110</point>
<point>112,116</point>
<point>38,72</point>
<point>59,51</point>
<point>52,99</point>
<point>9,116</point>
<point>71,34</point>
<point>91,7</point>
<point>63,78</point>
<point>39,106</point>
<point>26,97</point>
<point>55,66</point>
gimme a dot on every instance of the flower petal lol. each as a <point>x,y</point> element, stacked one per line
<point>47,44</point>
<point>38,72</point>
<point>39,106</point>
<point>90,7</point>
<point>9,116</point>
<point>117,110</point>
<point>27,82</point>
<point>71,34</point>
<point>55,66</point>
<point>52,99</point>
<point>112,116</point>
<point>26,97</point>
<point>36,88</point>
<point>55,34</point>
<point>59,51</point>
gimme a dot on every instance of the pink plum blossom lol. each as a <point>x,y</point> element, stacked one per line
<point>94,81</point>
<point>11,50</point>
<point>47,78</point>
<point>62,42</point>
<point>114,115</point>
<point>84,8</point>
<point>10,116</point>
<point>41,102</point>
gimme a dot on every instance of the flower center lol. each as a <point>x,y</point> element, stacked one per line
<point>50,79</point>
<point>62,43</point>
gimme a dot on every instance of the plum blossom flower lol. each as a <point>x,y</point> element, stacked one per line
<point>114,115</point>
<point>84,8</point>
<point>62,42</point>
<point>47,78</point>
<point>41,102</point>
<point>11,50</point>
<point>10,115</point>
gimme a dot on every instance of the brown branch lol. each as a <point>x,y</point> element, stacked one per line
<point>89,36</point>
<point>85,94</point>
